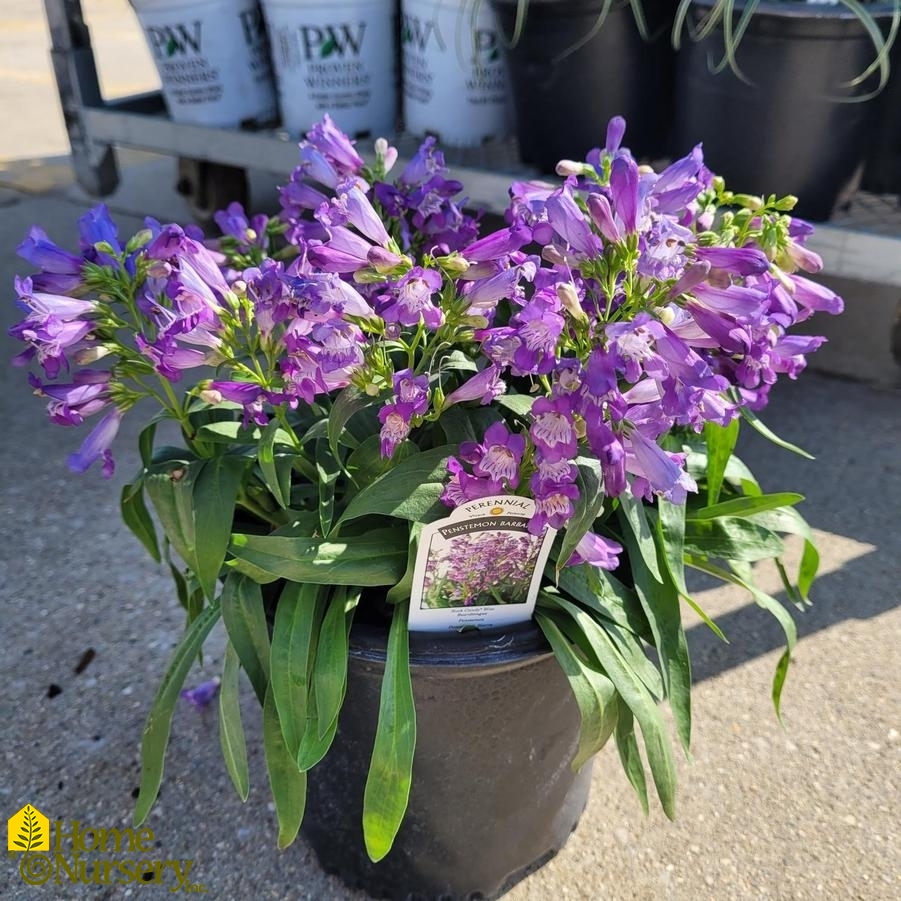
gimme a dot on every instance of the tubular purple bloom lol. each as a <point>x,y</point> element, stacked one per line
<point>97,446</point>
<point>596,550</point>
<point>741,260</point>
<point>498,244</point>
<point>484,387</point>
<point>500,455</point>
<point>616,128</point>
<point>200,696</point>
<point>814,297</point>
<point>624,191</point>
<point>40,251</point>
<point>552,430</point>
<point>335,146</point>
<point>662,471</point>
<point>569,222</point>
<point>602,215</point>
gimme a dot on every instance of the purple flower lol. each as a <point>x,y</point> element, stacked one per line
<point>61,270</point>
<point>248,394</point>
<point>97,446</point>
<point>569,222</point>
<point>740,260</point>
<point>351,205</point>
<point>596,550</point>
<point>658,472</point>
<point>463,487</point>
<point>409,300</point>
<point>624,191</point>
<point>498,244</point>
<point>554,504</point>
<point>69,404</point>
<point>484,387</point>
<point>499,455</point>
<point>201,695</point>
<point>335,146</point>
<point>552,431</point>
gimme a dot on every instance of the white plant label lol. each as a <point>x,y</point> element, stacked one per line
<point>479,567</point>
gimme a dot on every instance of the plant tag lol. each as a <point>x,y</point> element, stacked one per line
<point>479,567</point>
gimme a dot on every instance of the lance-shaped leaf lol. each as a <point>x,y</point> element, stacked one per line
<point>410,490</point>
<point>291,657</point>
<point>159,722</point>
<point>745,506</point>
<point>376,558</point>
<point>231,730</point>
<point>731,538</point>
<point>594,694</point>
<point>660,600</point>
<point>137,517</point>
<point>391,768</point>
<point>720,441</point>
<point>245,622</point>
<point>637,698</point>
<point>213,499</point>
<point>288,783</point>
<point>276,470</point>
<point>349,402</point>
<point>170,491</point>
<point>590,481</point>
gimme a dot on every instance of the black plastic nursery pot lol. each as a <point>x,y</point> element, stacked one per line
<point>882,170</point>
<point>493,797</point>
<point>788,129</point>
<point>570,78</point>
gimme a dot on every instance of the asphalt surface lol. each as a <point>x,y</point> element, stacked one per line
<point>804,810</point>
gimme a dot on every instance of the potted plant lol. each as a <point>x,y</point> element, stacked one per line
<point>784,93</point>
<point>574,64</point>
<point>406,420</point>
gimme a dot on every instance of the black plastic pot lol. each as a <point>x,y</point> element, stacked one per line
<point>564,100</point>
<point>493,796</point>
<point>785,131</point>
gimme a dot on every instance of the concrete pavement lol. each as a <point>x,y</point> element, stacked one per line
<point>808,810</point>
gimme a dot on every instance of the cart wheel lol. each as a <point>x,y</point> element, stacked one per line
<point>209,187</point>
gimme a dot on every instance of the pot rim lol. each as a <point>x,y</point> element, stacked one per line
<point>801,9</point>
<point>499,647</point>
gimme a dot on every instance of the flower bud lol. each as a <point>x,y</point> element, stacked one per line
<point>371,389</point>
<point>565,168</point>
<point>569,297</point>
<point>159,269</point>
<point>211,396</point>
<point>453,264</point>
<point>91,354</point>
<point>666,315</point>
<point>475,321</point>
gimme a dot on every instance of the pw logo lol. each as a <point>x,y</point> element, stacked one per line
<point>28,830</point>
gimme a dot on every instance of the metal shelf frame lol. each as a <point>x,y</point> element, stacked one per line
<point>850,246</point>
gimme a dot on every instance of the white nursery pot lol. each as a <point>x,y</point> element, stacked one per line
<point>336,58</point>
<point>212,58</point>
<point>454,75</point>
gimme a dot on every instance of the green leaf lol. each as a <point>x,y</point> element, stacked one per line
<point>231,730</point>
<point>637,698</point>
<point>330,668</point>
<point>720,441</point>
<point>767,602</point>
<point>228,431</point>
<point>145,444</point>
<point>391,768</point>
<point>245,622</point>
<point>327,470</point>
<point>594,694</point>
<point>633,514</point>
<point>277,479</point>
<point>349,402</point>
<point>402,590</point>
<point>376,558</point>
<point>159,722</point>
<point>410,490</point>
<point>137,517</point>
<point>294,636</point>
<point>366,463</point>
<point>590,481</point>
<point>790,521</point>
<point>745,506</point>
<point>770,435</point>
<point>520,404</point>
<point>170,491</point>
<point>629,754</point>
<point>660,599</point>
<point>731,538</point>
<point>288,783</point>
<point>213,498</point>
<point>671,529</point>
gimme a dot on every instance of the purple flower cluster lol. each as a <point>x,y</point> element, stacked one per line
<point>621,305</point>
